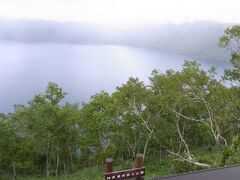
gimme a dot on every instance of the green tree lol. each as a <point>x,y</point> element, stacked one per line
<point>136,120</point>
<point>97,120</point>
<point>231,41</point>
<point>41,119</point>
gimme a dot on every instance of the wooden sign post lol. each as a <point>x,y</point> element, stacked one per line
<point>132,174</point>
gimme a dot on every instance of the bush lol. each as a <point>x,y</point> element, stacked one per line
<point>183,166</point>
<point>204,159</point>
<point>226,154</point>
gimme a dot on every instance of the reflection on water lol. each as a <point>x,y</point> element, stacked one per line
<point>25,69</point>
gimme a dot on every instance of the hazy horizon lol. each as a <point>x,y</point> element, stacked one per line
<point>120,14</point>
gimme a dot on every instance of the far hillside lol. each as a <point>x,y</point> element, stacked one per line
<point>197,40</point>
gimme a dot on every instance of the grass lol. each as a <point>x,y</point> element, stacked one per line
<point>155,167</point>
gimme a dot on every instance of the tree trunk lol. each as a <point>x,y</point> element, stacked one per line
<point>64,169</point>
<point>71,157</point>
<point>57,165</point>
<point>14,170</point>
<point>190,160</point>
<point>182,139</point>
<point>48,163</point>
<point>160,152</point>
<point>146,144</point>
<point>179,146</point>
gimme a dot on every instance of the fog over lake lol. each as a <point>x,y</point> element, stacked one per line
<point>80,70</point>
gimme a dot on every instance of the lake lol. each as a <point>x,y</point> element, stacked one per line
<point>81,70</point>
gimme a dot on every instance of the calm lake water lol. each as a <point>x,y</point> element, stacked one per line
<point>82,71</point>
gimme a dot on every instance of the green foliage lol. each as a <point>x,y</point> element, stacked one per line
<point>183,166</point>
<point>188,112</point>
<point>231,40</point>
<point>226,154</point>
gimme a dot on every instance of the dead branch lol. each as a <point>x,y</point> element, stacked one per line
<point>189,160</point>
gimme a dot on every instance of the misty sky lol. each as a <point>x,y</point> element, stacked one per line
<point>122,13</point>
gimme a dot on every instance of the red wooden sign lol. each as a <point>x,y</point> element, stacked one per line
<point>137,173</point>
<point>134,174</point>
